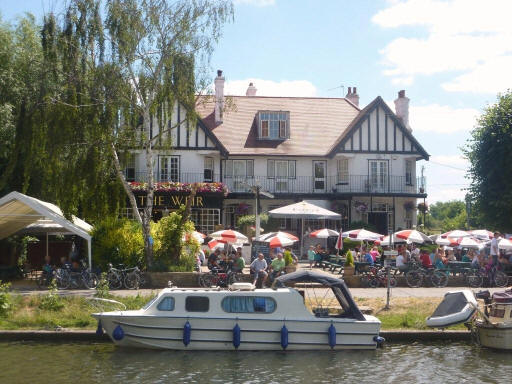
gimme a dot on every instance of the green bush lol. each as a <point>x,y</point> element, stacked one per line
<point>52,301</point>
<point>118,241</point>
<point>349,262</point>
<point>102,289</point>
<point>171,251</point>
<point>5,298</point>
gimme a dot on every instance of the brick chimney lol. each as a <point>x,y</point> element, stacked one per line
<point>251,90</point>
<point>219,97</point>
<point>402,108</point>
<point>352,96</point>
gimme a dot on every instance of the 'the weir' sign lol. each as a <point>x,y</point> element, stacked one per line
<point>174,201</point>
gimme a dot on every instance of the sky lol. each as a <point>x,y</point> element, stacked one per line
<point>452,57</point>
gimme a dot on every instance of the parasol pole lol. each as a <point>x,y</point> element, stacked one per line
<point>302,240</point>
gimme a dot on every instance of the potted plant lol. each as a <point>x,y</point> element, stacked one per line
<point>349,264</point>
<point>288,260</point>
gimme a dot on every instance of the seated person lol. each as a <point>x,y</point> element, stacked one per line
<point>47,269</point>
<point>238,263</point>
<point>438,261</point>
<point>375,253</point>
<point>65,263</point>
<point>277,266</point>
<point>502,258</point>
<point>475,263</point>
<point>467,257</point>
<point>425,259</point>
<point>401,261</point>
<point>213,259</point>
<point>368,258</point>
<point>258,268</point>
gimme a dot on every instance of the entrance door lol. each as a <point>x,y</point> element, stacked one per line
<point>319,176</point>
<point>378,175</point>
<point>380,220</point>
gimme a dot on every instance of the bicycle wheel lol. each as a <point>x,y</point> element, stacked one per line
<point>500,279</point>
<point>414,279</point>
<point>439,279</point>
<point>474,279</point>
<point>63,280</point>
<point>131,281</point>
<point>114,280</point>
<point>373,282</point>
<point>90,280</point>
<point>206,280</point>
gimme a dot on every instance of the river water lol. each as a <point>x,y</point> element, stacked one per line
<point>396,363</point>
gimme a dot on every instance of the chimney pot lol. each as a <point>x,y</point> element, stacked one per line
<point>402,108</point>
<point>219,97</point>
<point>251,90</point>
<point>352,96</point>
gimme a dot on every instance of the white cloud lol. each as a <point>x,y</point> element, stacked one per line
<point>257,3</point>
<point>271,88</point>
<point>471,37</point>
<point>440,118</point>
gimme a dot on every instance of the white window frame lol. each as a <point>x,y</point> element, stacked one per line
<point>169,172</point>
<point>272,169</point>
<point>283,125</point>
<point>228,168</point>
<point>408,172</point>
<point>130,166</point>
<point>342,171</point>
<point>209,165</point>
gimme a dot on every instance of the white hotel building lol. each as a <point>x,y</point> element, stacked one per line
<point>360,163</point>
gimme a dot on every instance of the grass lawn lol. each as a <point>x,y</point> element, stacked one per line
<point>39,313</point>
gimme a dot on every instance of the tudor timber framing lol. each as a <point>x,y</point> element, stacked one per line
<point>356,128</point>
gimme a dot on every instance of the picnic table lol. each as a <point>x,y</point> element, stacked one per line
<point>456,267</point>
<point>360,266</point>
<point>334,262</point>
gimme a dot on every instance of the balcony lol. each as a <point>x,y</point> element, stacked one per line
<point>305,185</point>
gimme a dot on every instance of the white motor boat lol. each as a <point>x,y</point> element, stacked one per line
<point>244,318</point>
<point>491,327</point>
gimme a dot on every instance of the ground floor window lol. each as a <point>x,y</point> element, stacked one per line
<point>205,219</point>
<point>408,218</point>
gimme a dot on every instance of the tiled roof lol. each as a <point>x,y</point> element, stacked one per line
<point>315,124</point>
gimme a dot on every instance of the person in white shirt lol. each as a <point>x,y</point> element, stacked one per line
<point>494,248</point>
<point>401,261</point>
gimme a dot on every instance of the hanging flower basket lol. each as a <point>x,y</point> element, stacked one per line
<point>409,205</point>
<point>423,207</point>
<point>242,209</point>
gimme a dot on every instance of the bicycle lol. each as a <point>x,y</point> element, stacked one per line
<point>494,275</point>
<point>216,278</point>
<point>417,275</point>
<point>131,278</point>
<point>68,278</point>
<point>378,277</point>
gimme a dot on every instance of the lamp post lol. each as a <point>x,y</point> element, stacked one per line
<point>256,189</point>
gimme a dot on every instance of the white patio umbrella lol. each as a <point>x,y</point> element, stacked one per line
<point>278,239</point>
<point>386,243</point>
<point>470,242</point>
<point>195,235</point>
<point>324,233</point>
<point>505,244</point>
<point>482,234</point>
<point>303,210</point>
<point>456,234</point>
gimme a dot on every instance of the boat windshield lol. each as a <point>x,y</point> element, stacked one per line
<point>323,302</point>
<point>150,303</point>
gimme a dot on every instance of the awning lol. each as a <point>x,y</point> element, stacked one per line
<point>19,211</point>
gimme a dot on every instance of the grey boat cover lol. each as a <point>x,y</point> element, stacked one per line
<point>338,287</point>
<point>453,309</point>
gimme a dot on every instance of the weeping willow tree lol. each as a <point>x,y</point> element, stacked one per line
<point>111,80</point>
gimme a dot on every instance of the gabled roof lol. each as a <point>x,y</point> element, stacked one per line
<point>315,123</point>
<point>363,114</point>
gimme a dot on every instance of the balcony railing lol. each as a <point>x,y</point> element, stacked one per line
<point>362,184</point>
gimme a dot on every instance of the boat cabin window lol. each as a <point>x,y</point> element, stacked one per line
<point>248,304</point>
<point>497,312</point>
<point>167,304</point>
<point>197,304</point>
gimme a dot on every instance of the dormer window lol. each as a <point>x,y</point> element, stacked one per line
<point>274,125</point>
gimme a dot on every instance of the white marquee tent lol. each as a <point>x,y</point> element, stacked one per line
<point>19,211</point>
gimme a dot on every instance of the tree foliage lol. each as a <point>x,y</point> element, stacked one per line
<point>490,156</point>
<point>445,216</point>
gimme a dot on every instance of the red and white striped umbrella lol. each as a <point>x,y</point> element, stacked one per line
<point>362,235</point>
<point>278,239</point>
<point>195,235</point>
<point>456,234</point>
<point>412,236</point>
<point>214,244</point>
<point>482,234</point>
<point>339,241</point>
<point>324,233</point>
<point>229,236</point>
